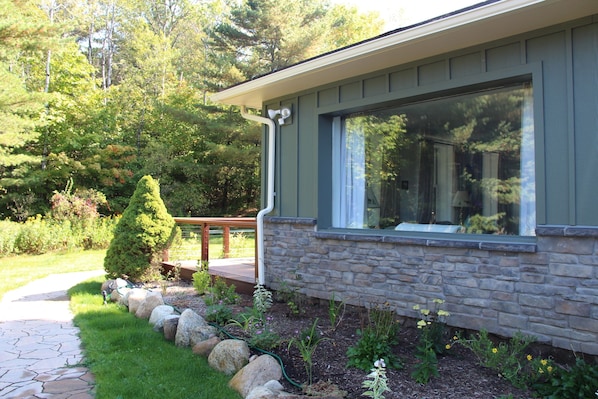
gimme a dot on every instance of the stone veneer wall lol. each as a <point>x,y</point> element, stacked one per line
<point>548,289</point>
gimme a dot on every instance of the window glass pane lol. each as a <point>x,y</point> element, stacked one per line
<point>459,164</point>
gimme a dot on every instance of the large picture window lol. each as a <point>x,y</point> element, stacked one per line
<point>456,164</point>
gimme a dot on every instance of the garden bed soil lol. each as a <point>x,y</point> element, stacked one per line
<point>460,376</point>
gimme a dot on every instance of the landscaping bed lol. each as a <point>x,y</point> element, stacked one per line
<point>460,375</point>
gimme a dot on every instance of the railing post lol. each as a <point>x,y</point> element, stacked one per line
<point>205,242</point>
<point>226,241</point>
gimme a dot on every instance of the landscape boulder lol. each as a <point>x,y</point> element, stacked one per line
<point>188,323</point>
<point>169,325</point>
<point>152,300</point>
<point>204,348</point>
<point>159,313</point>
<point>134,297</point>
<point>200,334</point>
<point>255,374</point>
<point>229,356</point>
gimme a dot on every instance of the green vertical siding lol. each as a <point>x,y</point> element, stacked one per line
<point>585,73</point>
<point>550,50</point>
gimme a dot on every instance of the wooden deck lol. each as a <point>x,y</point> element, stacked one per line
<point>238,271</point>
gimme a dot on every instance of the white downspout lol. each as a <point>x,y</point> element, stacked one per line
<point>269,191</point>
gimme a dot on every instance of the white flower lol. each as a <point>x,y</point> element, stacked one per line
<point>379,363</point>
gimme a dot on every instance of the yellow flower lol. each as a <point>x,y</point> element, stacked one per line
<point>455,338</point>
<point>443,313</point>
<point>425,312</point>
<point>447,347</point>
<point>421,324</point>
<point>549,368</point>
<point>415,307</point>
<point>529,357</point>
<point>439,301</point>
<point>494,350</point>
<point>544,362</point>
<point>541,371</point>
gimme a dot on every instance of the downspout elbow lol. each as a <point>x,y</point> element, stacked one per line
<point>269,206</point>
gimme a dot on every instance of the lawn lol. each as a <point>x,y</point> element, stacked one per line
<point>16,271</point>
<point>130,360</point>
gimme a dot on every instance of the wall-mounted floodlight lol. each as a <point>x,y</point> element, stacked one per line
<point>283,114</point>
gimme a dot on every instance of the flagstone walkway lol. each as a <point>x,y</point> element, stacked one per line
<point>39,345</point>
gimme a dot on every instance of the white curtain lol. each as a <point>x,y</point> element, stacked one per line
<point>527,213</point>
<point>353,185</point>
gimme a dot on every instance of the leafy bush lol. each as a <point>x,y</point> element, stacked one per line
<point>509,358</point>
<point>579,381</point>
<point>143,232</point>
<point>218,313</point>
<point>431,341</point>
<point>201,281</point>
<point>376,340</point>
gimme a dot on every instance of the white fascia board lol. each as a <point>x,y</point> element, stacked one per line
<point>473,27</point>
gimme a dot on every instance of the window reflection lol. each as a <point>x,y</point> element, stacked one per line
<point>458,164</point>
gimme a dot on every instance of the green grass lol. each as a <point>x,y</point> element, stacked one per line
<point>16,271</point>
<point>130,360</point>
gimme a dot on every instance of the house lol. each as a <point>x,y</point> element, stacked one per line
<point>456,159</point>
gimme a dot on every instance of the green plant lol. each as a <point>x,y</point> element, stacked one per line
<point>291,297</point>
<point>201,281</point>
<point>578,381</point>
<point>262,299</point>
<point>376,382</point>
<point>144,231</point>
<point>431,341</point>
<point>263,337</point>
<point>508,358</point>
<point>307,343</point>
<point>336,310</point>
<point>219,291</point>
<point>376,339</point>
<point>218,313</point>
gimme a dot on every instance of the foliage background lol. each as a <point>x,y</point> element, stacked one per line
<point>102,92</point>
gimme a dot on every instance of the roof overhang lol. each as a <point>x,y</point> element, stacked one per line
<point>472,27</point>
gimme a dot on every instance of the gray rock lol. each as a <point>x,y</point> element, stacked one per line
<point>159,313</point>
<point>188,322</point>
<point>204,348</point>
<point>256,373</point>
<point>169,324</point>
<point>118,295</point>
<point>261,392</point>
<point>274,386</point>
<point>152,300</point>
<point>229,356</point>
<point>134,297</point>
<point>200,334</point>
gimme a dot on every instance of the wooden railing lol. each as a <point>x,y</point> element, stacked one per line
<point>225,223</point>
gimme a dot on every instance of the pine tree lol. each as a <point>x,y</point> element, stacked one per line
<point>144,231</point>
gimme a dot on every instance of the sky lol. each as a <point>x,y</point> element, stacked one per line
<point>399,13</point>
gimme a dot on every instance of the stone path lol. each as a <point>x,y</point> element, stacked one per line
<point>39,345</point>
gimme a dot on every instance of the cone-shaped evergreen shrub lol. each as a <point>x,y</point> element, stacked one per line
<point>144,231</point>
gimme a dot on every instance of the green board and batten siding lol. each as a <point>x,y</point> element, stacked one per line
<point>564,66</point>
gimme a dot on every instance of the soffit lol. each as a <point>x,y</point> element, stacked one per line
<point>469,28</point>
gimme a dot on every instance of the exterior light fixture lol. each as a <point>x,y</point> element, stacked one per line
<point>283,114</point>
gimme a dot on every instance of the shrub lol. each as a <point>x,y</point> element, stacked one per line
<point>579,381</point>
<point>218,314</point>
<point>201,281</point>
<point>376,340</point>
<point>143,232</point>
<point>509,358</point>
